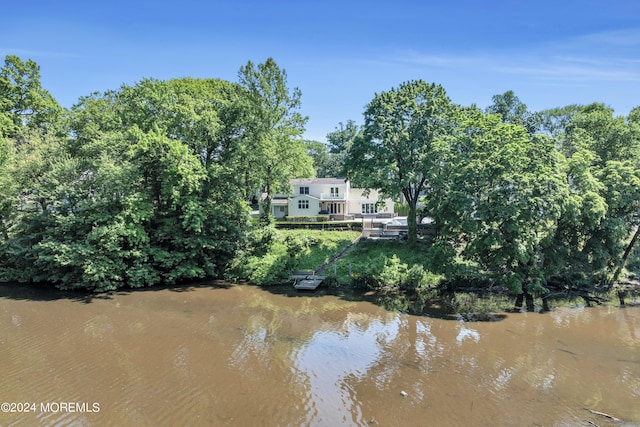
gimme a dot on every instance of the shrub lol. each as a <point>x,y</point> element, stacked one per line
<point>393,273</point>
<point>415,278</point>
<point>271,268</point>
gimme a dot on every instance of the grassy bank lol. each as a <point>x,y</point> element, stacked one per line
<point>273,254</point>
<point>385,264</point>
<point>392,269</point>
<point>321,247</point>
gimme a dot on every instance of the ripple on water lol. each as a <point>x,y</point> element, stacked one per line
<point>244,357</point>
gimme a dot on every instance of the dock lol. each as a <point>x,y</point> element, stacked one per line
<point>307,281</point>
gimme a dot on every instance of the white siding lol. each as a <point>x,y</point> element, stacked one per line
<point>312,202</point>
<point>357,199</point>
<point>320,194</point>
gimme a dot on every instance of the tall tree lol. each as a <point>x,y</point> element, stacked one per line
<point>144,192</point>
<point>30,136</point>
<point>320,154</point>
<point>405,130</point>
<point>24,104</point>
<point>602,209</point>
<point>340,142</point>
<point>514,111</point>
<point>554,121</point>
<point>274,130</point>
<point>503,196</point>
<point>7,187</point>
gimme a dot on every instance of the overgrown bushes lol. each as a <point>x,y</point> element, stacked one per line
<point>387,265</point>
<point>390,273</point>
<point>271,255</point>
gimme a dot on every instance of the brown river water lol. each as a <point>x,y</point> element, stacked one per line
<point>244,356</point>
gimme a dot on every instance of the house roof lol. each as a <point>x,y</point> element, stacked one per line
<point>280,202</point>
<point>299,181</point>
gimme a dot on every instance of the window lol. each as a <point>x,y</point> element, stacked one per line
<point>304,190</point>
<point>369,208</point>
<point>303,204</point>
<point>334,192</point>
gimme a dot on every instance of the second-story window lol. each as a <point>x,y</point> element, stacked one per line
<point>334,192</point>
<point>304,190</point>
<point>303,204</point>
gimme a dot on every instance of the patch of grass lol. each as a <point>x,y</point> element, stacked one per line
<point>271,254</point>
<point>316,247</point>
<point>372,259</point>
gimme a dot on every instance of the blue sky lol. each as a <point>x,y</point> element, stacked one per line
<point>340,53</point>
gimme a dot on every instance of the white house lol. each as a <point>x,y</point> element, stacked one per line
<point>329,196</point>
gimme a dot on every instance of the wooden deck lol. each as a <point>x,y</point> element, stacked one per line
<point>307,284</point>
<point>307,281</point>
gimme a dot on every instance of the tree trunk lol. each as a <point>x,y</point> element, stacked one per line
<point>266,207</point>
<point>519,300</point>
<point>621,295</point>
<point>545,304</point>
<point>625,256</point>
<point>412,231</point>
<point>266,210</point>
<point>529,299</point>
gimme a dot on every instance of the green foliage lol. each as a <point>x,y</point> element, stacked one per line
<point>402,209</point>
<point>273,128</point>
<point>387,265</point>
<point>399,152</point>
<point>148,184</point>
<point>146,191</point>
<point>601,211</point>
<point>514,111</point>
<point>503,198</point>
<point>340,142</point>
<point>391,274</point>
<point>270,255</point>
<point>271,268</point>
<point>24,104</point>
<point>633,265</point>
<point>314,218</point>
<point>319,153</point>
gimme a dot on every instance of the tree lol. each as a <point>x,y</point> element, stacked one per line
<point>340,142</point>
<point>602,209</point>
<point>503,196</point>
<point>274,129</point>
<point>514,111</point>
<point>23,101</point>
<point>30,138</point>
<point>405,131</point>
<point>7,187</point>
<point>144,192</point>
<point>321,158</point>
<point>554,121</point>
<point>161,128</point>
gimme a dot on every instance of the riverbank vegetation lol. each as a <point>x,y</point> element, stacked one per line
<point>269,256</point>
<point>150,184</point>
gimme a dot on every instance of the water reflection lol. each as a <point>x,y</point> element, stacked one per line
<point>332,359</point>
<point>245,356</point>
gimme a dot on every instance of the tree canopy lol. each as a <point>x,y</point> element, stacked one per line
<point>405,130</point>
<point>149,183</point>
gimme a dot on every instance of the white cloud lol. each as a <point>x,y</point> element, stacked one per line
<point>594,57</point>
